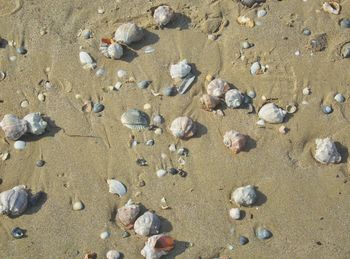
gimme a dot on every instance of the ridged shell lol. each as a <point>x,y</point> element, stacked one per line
<point>271,113</point>
<point>163,15</point>
<point>113,51</point>
<point>233,98</point>
<point>217,87</point>
<point>13,127</point>
<point>157,246</point>
<point>128,33</point>
<point>235,141</point>
<point>326,151</point>
<point>183,127</point>
<point>128,214</point>
<point>209,102</point>
<point>14,202</point>
<point>244,196</point>
<point>180,70</point>
<point>135,119</point>
<point>36,124</point>
<point>147,224</point>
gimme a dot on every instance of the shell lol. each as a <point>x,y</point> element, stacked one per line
<point>128,33</point>
<point>13,127</point>
<point>163,15</point>
<point>113,254</point>
<point>345,50</point>
<point>263,233</point>
<point>255,68</point>
<point>326,151</point>
<point>233,98</point>
<point>147,224</point>
<point>209,102</point>
<point>157,246</point>
<point>271,113</point>
<point>127,214</point>
<point>235,141</point>
<point>319,42</point>
<point>36,124</point>
<point>217,87</point>
<point>244,196</point>
<point>183,127</point>
<point>144,84</point>
<point>331,7</point>
<point>86,60</point>
<point>113,51</point>
<point>180,70</point>
<point>116,187</point>
<point>14,202</point>
<point>235,213</point>
<point>135,119</point>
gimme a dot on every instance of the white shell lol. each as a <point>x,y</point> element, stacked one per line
<point>331,7</point>
<point>244,196</point>
<point>86,60</point>
<point>116,187</point>
<point>163,15</point>
<point>255,68</point>
<point>326,151</point>
<point>104,235</point>
<point>233,98</point>
<point>128,33</point>
<point>13,127</point>
<point>147,224</point>
<point>217,87</point>
<point>113,51</point>
<point>19,145</point>
<point>150,251</point>
<point>36,124</point>
<point>271,113</point>
<point>14,202</point>
<point>113,254</point>
<point>180,70</point>
<point>235,213</point>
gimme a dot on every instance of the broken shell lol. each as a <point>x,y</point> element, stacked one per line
<point>217,87</point>
<point>114,50</point>
<point>87,107</point>
<point>186,83</point>
<point>183,127</point>
<point>244,196</point>
<point>180,70</point>
<point>14,202</point>
<point>235,141</point>
<point>246,21</point>
<point>233,98</point>
<point>127,214</point>
<point>116,187</point>
<point>128,33</point>
<point>209,102</point>
<point>135,119</point>
<point>163,15</point>
<point>86,60</point>
<point>331,7</point>
<point>326,151</point>
<point>13,127</point>
<point>291,108</point>
<point>271,113</point>
<point>157,246</point>
<point>2,75</point>
<point>36,124</point>
<point>147,224</point>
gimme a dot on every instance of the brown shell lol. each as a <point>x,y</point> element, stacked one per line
<point>235,141</point>
<point>209,102</point>
<point>13,127</point>
<point>127,215</point>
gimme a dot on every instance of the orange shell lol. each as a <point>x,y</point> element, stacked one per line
<point>165,243</point>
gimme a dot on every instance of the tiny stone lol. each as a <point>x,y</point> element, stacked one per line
<point>183,151</point>
<point>306,32</point>
<point>21,50</point>
<point>246,45</point>
<point>43,31</point>
<point>209,77</point>
<point>78,206</point>
<point>172,147</point>
<point>104,235</point>
<point>161,172</point>
<point>251,94</point>
<point>98,107</point>
<point>118,85</point>
<point>306,91</point>
<point>40,163</point>
<point>121,73</point>
<point>230,247</point>
<point>339,98</point>
<point>149,142</point>
<point>172,171</point>
<point>100,10</point>
<point>263,233</point>
<point>5,156</point>
<point>24,104</point>
<point>125,234</point>
<point>261,123</point>
<point>17,232</point>
<point>141,162</point>
<point>147,106</point>
<point>261,13</point>
<point>243,240</point>
<point>297,53</point>
<point>158,131</point>
<point>86,34</point>
<point>41,97</point>
<point>19,145</point>
<point>327,109</point>
<point>235,213</point>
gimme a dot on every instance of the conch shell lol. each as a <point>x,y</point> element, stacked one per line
<point>13,127</point>
<point>157,246</point>
<point>183,127</point>
<point>217,87</point>
<point>209,102</point>
<point>127,214</point>
<point>15,201</point>
<point>147,224</point>
<point>235,141</point>
<point>36,124</point>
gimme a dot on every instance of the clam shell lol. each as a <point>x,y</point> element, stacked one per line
<point>326,151</point>
<point>128,214</point>
<point>235,141</point>
<point>157,246</point>
<point>86,60</point>
<point>36,124</point>
<point>244,196</point>
<point>180,70</point>
<point>128,33</point>
<point>263,233</point>
<point>217,87</point>
<point>233,98</point>
<point>135,119</point>
<point>209,102</point>
<point>163,15</point>
<point>14,202</point>
<point>116,187</point>
<point>147,224</point>
<point>13,127</point>
<point>183,127</point>
<point>271,113</point>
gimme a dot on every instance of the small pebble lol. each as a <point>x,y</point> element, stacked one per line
<point>209,78</point>
<point>172,147</point>
<point>147,106</point>
<point>235,213</point>
<point>121,73</point>
<point>40,163</point>
<point>172,171</point>
<point>17,232</point>
<point>158,131</point>
<point>144,84</point>
<point>12,58</point>
<point>251,94</point>
<point>21,50</point>
<point>98,107</point>
<point>327,109</point>
<point>261,123</point>
<point>246,45</point>
<point>100,72</point>
<point>230,247</point>
<point>24,104</point>
<point>345,23</point>
<point>41,97</point>
<point>263,233</point>
<point>161,173</point>
<point>5,156</point>
<point>86,34</point>
<point>345,50</point>
<point>2,75</point>
<point>149,142</point>
<point>78,205</point>
<point>118,85</point>
<point>19,145</point>
<point>212,37</point>
<point>243,240</point>
<point>261,13</point>
<point>100,10</point>
<point>105,235</point>
<point>125,234</point>
<point>297,53</point>
<point>339,98</point>
<point>306,32</point>
<point>306,91</point>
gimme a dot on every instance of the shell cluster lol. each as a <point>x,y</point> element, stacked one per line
<point>235,141</point>
<point>183,127</point>
<point>14,202</point>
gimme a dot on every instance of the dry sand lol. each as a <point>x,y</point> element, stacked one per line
<point>303,202</point>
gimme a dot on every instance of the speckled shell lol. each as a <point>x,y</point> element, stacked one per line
<point>180,70</point>
<point>113,51</point>
<point>36,124</point>
<point>271,113</point>
<point>14,202</point>
<point>244,196</point>
<point>183,127</point>
<point>163,15</point>
<point>326,151</point>
<point>13,127</point>
<point>209,102</point>
<point>235,141</point>
<point>128,33</point>
<point>127,214</point>
<point>157,246</point>
<point>147,224</point>
<point>217,87</point>
<point>233,98</point>
<point>135,119</point>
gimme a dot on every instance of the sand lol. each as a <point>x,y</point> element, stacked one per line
<point>302,202</point>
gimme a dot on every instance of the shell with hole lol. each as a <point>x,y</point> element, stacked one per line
<point>271,113</point>
<point>217,87</point>
<point>180,70</point>
<point>36,124</point>
<point>183,127</point>
<point>163,15</point>
<point>147,224</point>
<point>135,119</point>
<point>233,98</point>
<point>127,214</point>
<point>209,102</point>
<point>13,127</point>
<point>128,33</point>
<point>235,141</point>
<point>14,202</point>
<point>326,151</point>
<point>157,246</point>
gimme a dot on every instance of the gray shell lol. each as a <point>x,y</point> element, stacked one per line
<point>36,124</point>
<point>147,224</point>
<point>326,151</point>
<point>135,119</point>
<point>233,98</point>
<point>128,33</point>
<point>14,202</point>
<point>180,70</point>
<point>163,15</point>
<point>13,127</point>
<point>244,196</point>
<point>271,113</point>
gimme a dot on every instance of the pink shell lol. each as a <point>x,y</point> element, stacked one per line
<point>13,127</point>
<point>209,102</point>
<point>127,214</point>
<point>235,141</point>
<point>183,127</point>
<point>217,87</point>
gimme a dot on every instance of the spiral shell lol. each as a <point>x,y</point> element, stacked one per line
<point>271,113</point>
<point>209,102</point>
<point>217,87</point>
<point>326,151</point>
<point>235,141</point>
<point>157,246</point>
<point>180,70</point>
<point>14,202</point>
<point>127,214</point>
<point>13,127</point>
<point>163,15</point>
<point>113,51</point>
<point>233,98</point>
<point>128,33</point>
<point>147,224</point>
<point>36,124</point>
<point>183,127</point>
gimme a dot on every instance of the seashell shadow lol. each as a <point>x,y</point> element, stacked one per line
<point>343,150</point>
<point>51,130</point>
<point>165,226</point>
<point>38,202</point>
<point>180,247</point>
<point>261,198</point>
<point>201,130</point>
<point>250,144</point>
